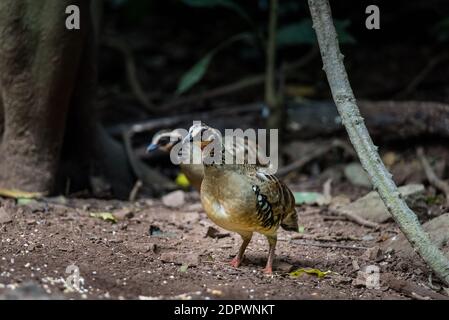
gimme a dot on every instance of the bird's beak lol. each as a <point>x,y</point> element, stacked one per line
<point>152,147</point>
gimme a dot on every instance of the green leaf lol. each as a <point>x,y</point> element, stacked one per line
<point>344,36</point>
<point>184,268</point>
<point>320,274</point>
<point>302,33</point>
<point>24,201</point>
<point>191,77</point>
<point>296,33</point>
<point>106,216</point>
<point>196,73</point>
<point>306,197</point>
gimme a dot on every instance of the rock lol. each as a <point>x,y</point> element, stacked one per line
<point>283,266</point>
<point>190,217</point>
<point>154,231</point>
<point>355,174</point>
<point>122,214</point>
<point>372,254</point>
<point>4,216</point>
<point>368,277</point>
<point>195,207</point>
<point>372,208</point>
<point>174,199</point>
<point>190,259</point>
<point>140,247</point>
<point>437,229</point>
<point>29,291</point>
<point>215,233</point>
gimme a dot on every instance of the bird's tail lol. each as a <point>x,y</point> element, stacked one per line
<point>290,221</point>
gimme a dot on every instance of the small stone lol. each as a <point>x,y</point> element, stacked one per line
<point>4,216</point>
<point>190,259</point>
<point>283,266</point>
<point>124,213</point>
<point>175,199</point>
<point>373,253</point>
<point>215,233</point>
<point>357,175</point>
<point>140,247</point>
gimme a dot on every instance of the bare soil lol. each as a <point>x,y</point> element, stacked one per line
<point>163,252</point>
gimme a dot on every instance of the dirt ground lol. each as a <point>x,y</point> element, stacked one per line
<point>155,252</point>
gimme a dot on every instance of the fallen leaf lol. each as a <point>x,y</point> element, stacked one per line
<point>320,274</point>
<point>106,216</point>
<point>182,181</point>
<point>16,194</point>
<point>309,198</point>
<point>183,268</point>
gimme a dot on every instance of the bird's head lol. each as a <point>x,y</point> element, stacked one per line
<point>202,134</point>
<point>165,140</point>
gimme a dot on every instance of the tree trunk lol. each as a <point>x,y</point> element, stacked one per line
<point>39,60</point>
<point>361,140</point>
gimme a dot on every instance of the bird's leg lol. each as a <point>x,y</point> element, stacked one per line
<point>239,257</point>
<point>269,267</point>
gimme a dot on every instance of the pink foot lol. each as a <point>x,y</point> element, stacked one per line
<point>268,270</point>
<point>235,262</point>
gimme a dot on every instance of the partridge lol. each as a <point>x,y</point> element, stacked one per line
<point>243,198</point>
<point>165,141</point>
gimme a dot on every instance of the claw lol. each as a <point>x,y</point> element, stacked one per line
<point>235,262</point>
<point>268,270</point>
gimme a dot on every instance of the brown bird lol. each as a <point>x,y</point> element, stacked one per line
<point>165,141</point>
<point>243,198</point>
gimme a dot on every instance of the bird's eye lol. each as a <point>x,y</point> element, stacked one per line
<point>164,141</point>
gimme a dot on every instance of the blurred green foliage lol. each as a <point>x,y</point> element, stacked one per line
<point>300,33</point>
<point>441,30</point>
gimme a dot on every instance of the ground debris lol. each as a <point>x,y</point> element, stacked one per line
<point>175,199</point>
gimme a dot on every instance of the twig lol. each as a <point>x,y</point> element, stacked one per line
<point>131,72</point>
<point>318,152</point>
<point>363,144</point>
<point>135,191</point>
<point>410,289</point>
<point>431,175</point>
<point>271,98</point>
<point>329,245</point>
<point>165,122</point>
<point>325,238</point>
<point>355,218</point>
<point>431,64</point>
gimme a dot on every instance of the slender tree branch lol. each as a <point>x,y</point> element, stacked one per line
<point>431,175</point>
<point>131,71</point>
<point>250,81</point>
<point>270,91</point>
<point>361,140</point>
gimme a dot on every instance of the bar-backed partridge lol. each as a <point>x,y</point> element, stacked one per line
<point>243,198</point>
<point>165,141</point>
